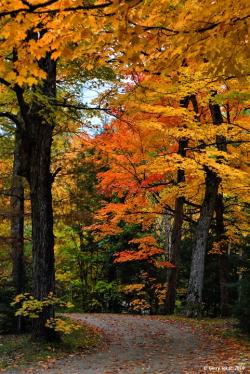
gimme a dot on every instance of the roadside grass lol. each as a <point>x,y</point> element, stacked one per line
<point>229,347</point>
<point>20,351</point>
<point>222,327</point>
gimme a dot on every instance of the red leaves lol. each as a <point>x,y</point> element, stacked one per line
<point>154,181</point>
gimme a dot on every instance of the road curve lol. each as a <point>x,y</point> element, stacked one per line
<point>136,345</point>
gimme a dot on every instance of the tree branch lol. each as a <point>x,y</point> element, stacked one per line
<point>203,145</point>
<point>5,83</point>
<point>12,117</point>
<point>53,175</point>
<point>199,30</point>
<point>80,107</point>
<point>28,8</point>
<point>79,7</point>
<point>158,184</point>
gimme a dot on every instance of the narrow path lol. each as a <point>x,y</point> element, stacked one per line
<point>138,345</point>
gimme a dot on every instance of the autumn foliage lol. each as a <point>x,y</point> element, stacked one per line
<point>130,197</point>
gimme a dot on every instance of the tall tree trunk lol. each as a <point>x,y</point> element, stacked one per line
<point>17,227</point>
<point>195,287</point>
<point>176,239</point>
<point>220,226</point>
<point>178,221</point>
<point>36,159</point>
<point>40,180</point>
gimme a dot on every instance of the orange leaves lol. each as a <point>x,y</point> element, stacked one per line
<point>147,248</point>
<point>164,264</point>
<point>145,241</point>
<point>141,150</point>
<point>111,182</point>
<point>219,248</point>
<point>141,255</point>
<point>147,251</point>
<point>155,182</point>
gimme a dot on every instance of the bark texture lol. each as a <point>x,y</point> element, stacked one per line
<point>195,286</point>
<point>175,251</point>
<point>42,224</point>
<point>221,238</point>
<point>36,141</point>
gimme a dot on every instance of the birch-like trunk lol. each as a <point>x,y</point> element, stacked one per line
<point>195,286</point>
<point>176,240</point>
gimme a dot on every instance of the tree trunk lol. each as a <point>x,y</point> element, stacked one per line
<point>40,180</point>
<point>17,226</point>
<point>36,159</point>
<point>176,239</point>
<point>195,287</point>
<point>178,220</point>
<point>220,226</point>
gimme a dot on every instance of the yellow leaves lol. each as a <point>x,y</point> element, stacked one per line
<point>139,305</point>
<point>20,297</point>
<point>32,308</point>
<point>11,76</point>
<point>143,148</point>
<point>160,109</point>
<point>133,288</point>
<point>219,248</point>
<point>151,38</point>
<point>243,123</point>
<point>24,77</point>
<point>20,80</point>
<point>30,81</point>
<point>64,277</point>
<point>60,325</point>
<point>21,75</point>
<point>92,33</point>
<point>55,55</point>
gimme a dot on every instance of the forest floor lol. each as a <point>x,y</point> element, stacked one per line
<point>153,345</point>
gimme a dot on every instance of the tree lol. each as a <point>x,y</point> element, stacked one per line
<point>142,169</point>
<point>220,224</point>
<point>28,68</point>
<point>195,287</point>
<point>170,58</point>
<point>178,222</point>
